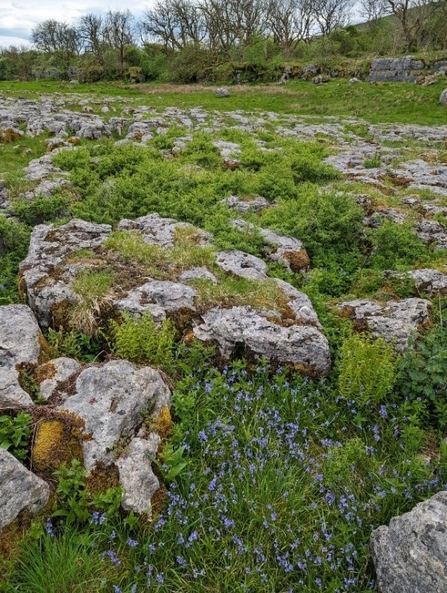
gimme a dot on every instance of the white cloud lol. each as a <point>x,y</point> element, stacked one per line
<point>25,15</point>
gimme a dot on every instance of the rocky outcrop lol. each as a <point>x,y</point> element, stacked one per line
<point>443,97</point>
<point>46,272</point>
<point>20,343</point>
<point>240,330</point>
<point>20,490</point>
<point>410,555</point>
<point>395,321</point>
<point>427,281</point>
<point>111,399</point>
<point>405,69</point>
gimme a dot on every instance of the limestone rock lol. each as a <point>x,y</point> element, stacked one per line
<point>46,275</point>
<point>161,231</point>
<point>19,489</point>
<point>222,93</point>
<point>157,297</point>
<point>136,474</point>
<point>261,333</point>
<point>55,371</point>
<point>198,274</point>
<point>405,69</point>
<point>410,555</point>
<point>253,205</point>
<point>242,264</point>
<point>12,396</point>
<point>110,399</point>
<point>443,97</point>
<point>20,338</point>
<point>395,321</point>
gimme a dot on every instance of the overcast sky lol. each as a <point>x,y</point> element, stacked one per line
<point>19,17</point>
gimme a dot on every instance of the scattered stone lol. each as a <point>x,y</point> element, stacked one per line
<point>354,80</point>
<point>395,321</point>
<point>136,474</point>
<point>245,330</point>
<point>222,93</point>
<point>410,555</point>
<point>242,264</point>
<point>158,297</point>
<point>161,231</point>
<point>197,274</point>
<point>253,205</point>
<point>19,489</point>
<point>56,371</point>
<point>110,399</point>
<point>320,79</point>
<point>443,97</point>
<point>427,281</point>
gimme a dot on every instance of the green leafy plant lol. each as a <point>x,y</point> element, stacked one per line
<point>423,372</point>
<point>15,433</point>
<point>367,369</point>
<point>141,341</point>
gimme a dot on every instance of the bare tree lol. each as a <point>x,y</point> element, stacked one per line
<point>233,23</point>
<point>91,33</point>
<point>373,10</point>
<point>331,14</point>
<point>412,16</point>
<point>57,39</point>
<point>289,22</point>
<point>175,23</point>
<point>119,32</point>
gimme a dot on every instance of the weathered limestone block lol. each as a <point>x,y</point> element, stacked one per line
<point>303,346</point>
<point>19,489</point>
<point>242,264</point>
<point>410,555</point>
<point>395,321</point>
<point>136,474</point>
<point>110,399</point>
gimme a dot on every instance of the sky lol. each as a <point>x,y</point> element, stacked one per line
<point>19,17</point>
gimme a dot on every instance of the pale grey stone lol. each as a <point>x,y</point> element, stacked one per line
<point>395,321</point>
<point>222,93</point>
<point>198,274</point>
<point>254,331</point>
<point>163,294</point>
<point>443,97</point>
<point>136,474</point>
<point>45,273</point>
<point>19,336</point>
<point>410,555</point>
<point>19,489</point>
<point>242,264</point>
<point>110,399</point>
<point>63,368</point>
<point>252,205</point>
<point>161,231</point>
<point>12,396</point>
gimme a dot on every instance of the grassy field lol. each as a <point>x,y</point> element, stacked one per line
<point>377,103</point>
<point>272,482</point>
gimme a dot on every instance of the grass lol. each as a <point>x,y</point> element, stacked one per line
<point>378,103</point>
<point>272,482</point>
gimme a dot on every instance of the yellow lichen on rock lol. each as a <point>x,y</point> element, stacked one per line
<point>163,423</point>
<point>56,441</point>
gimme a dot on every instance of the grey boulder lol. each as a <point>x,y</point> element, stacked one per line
<point>410,555</point>
<point>111,400</point>
<point>19,489</point>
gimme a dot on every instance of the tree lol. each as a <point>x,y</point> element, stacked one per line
<point>175,23</point>
<point>331,14</point>
<point>290,21</point>
<point>59,40</point>
<point>118,33</point>
<point>91,33</point>
<point>412,16</point>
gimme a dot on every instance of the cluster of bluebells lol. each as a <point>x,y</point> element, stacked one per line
<point>284,484</point>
